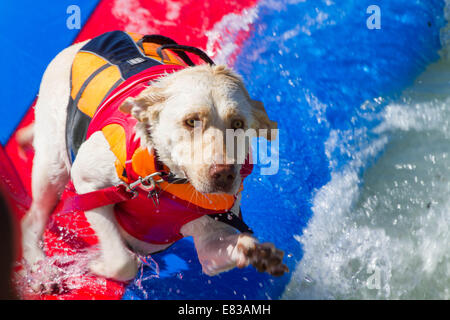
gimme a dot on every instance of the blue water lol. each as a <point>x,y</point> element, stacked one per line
<point>326,79</point>
<point>316,66</point>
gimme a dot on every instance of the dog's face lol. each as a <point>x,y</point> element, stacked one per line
<point>186,117</point>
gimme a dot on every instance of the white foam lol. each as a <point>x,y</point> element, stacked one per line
<point>384,235</point>
<point>419,116</point>
<point>140,20</point>
<point>222,37</point>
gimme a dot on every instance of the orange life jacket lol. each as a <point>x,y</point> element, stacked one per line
<point>106,71</point>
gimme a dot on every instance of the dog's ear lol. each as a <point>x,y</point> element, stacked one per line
<point>262,120</point>
<point>146,106</point>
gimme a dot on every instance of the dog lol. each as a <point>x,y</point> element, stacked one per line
<point>213,96</point>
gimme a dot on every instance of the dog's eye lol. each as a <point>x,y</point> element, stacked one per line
<point>237,124</point>
<point>190,122</point>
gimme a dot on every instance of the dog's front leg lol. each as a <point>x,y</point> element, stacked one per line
<point>92,170</point>
<point>115,261</point>
<point>221,248</point>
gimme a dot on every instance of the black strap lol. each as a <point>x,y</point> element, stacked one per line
<point>155,38</point>
<point>179,48</point>
<point>232,220</point>
<point>171,178</point>
<point>163,40</point>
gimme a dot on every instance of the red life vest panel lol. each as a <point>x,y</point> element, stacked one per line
<point>143,218</point>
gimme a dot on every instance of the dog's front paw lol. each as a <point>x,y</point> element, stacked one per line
<point>120,268</point>
<point>263,256</point>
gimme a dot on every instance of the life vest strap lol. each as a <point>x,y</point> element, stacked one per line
<point>163,40</point>
<point>232,220</point>
<point>95,199</point>
<point>120,193</point>
<point>182,49</point>
<point>107,196</point>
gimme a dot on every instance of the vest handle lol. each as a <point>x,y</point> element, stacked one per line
<point>163,40</point>
<point>182,49</point>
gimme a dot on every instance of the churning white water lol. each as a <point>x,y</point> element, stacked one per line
<point>384,232</point>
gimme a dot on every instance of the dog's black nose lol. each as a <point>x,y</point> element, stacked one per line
<point>223,176</point>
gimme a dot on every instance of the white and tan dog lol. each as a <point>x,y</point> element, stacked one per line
<point>211,94</point>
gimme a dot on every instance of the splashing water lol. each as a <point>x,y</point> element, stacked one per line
<point>365,158</point>
<point>150,264</point>
<point>58,273</point>
<point>380,227</point>
<point>385,234</point>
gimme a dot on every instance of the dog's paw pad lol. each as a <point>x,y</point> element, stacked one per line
<point>266,258</point>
